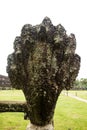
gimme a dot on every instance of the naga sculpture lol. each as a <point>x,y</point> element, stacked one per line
<point>42,65</point>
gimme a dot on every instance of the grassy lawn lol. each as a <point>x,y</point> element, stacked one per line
<point>12,121</point>
<point>80,93</point>
<point>70,114</point>
<point>12,95</point>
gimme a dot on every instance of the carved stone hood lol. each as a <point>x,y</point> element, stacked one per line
<point>42,65</point>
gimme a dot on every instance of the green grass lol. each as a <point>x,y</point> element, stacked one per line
<point>80,93</point>
<point>70,114</point>
<point>9,120</point>
<point>12,95</point>
<point>12,121</point>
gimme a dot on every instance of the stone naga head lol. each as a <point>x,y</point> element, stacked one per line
<point>42,65</point>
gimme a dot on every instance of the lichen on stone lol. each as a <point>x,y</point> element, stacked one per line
<point>42,65</point>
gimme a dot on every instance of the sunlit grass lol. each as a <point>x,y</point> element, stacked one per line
<point>13,121</point>
<point>70,114</point>
<point>80,93</point>
<point>12,95</point>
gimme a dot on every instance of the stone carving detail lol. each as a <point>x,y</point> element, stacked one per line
<point>42,65</point>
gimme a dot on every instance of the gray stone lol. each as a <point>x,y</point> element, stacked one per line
<point>42,65</point>
<point>34,127</point>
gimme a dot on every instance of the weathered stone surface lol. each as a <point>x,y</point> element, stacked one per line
<point>42,65</point>
<point>34,127</point>
<point>13,106</point>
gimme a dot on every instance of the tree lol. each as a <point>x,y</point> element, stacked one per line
<point>83,83</point>
<point>77,85</point>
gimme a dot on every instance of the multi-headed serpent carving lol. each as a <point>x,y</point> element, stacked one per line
<point>42,65</point>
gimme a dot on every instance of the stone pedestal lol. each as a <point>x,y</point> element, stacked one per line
<point>34,127</point>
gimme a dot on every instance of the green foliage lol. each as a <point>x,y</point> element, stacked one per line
<point>84,83</point>
<point>81,84</point>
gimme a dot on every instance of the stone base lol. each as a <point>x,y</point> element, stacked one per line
<point>34,127</point>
